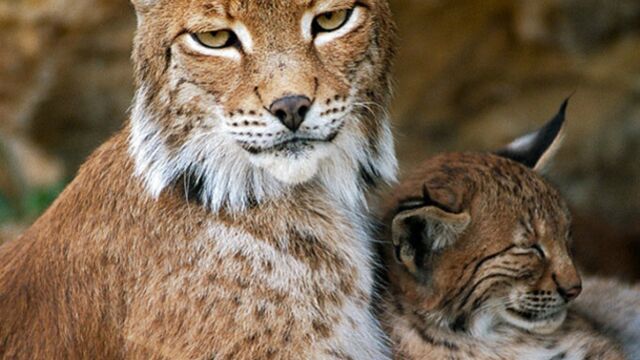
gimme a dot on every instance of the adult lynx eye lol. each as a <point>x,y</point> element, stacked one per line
<point>331,21</point>
<point>216,39</point>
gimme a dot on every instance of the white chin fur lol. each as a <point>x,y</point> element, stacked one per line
<point>292,169</point>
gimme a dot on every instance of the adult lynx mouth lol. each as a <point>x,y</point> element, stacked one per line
<point>292,145</point>
<point>296,157</point>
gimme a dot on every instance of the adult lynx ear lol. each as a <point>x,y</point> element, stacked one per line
<point>537,148</point>
<point>143,5</point>
<point>423,230</point>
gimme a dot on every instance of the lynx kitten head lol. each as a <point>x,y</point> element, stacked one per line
<point>482,239</point>
<point>243,99</point>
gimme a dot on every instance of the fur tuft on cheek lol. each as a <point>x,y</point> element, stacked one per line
<point>231,178</point>
<point>148,148</point>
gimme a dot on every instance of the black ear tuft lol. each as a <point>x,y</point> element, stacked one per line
<point>533,148</point>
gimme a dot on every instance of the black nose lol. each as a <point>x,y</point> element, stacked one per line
<point>291,110</point>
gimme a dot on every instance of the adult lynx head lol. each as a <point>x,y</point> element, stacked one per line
<point>241,100</point>
<point>483,239</point>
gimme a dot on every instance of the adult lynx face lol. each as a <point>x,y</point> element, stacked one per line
<point>483,239</point>
<point>242,99</point>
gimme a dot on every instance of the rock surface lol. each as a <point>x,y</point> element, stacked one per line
<point>471,74</point>
<point>65,83</point>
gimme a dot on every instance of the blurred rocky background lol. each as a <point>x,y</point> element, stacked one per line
<point>471,74</point>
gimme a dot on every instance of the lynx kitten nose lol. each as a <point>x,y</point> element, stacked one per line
<point>291,110</point>
<point>570,294</point>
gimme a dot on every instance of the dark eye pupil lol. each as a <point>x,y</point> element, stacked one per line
<point>231,41</point>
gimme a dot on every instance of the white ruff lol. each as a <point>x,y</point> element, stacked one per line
<point>293,170</point>
<point>231,178</point>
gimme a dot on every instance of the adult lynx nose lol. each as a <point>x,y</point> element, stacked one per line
<point>291,110</point>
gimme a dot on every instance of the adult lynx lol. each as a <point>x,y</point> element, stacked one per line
<point>227,220</point>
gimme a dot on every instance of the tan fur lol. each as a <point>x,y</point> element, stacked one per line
<point>144,256</point>
<point>453,301</point>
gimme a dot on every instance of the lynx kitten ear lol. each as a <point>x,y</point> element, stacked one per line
<point>537,148</point>
<point>423,229</point>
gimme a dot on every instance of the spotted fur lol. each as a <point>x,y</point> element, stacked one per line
<point>205,229</point>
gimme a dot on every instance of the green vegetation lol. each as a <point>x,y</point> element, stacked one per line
<point>31,205</point>
<point>6,211</point>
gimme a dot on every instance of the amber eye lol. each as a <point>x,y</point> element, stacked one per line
<point>216,39</point>
<point>331,21</point>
